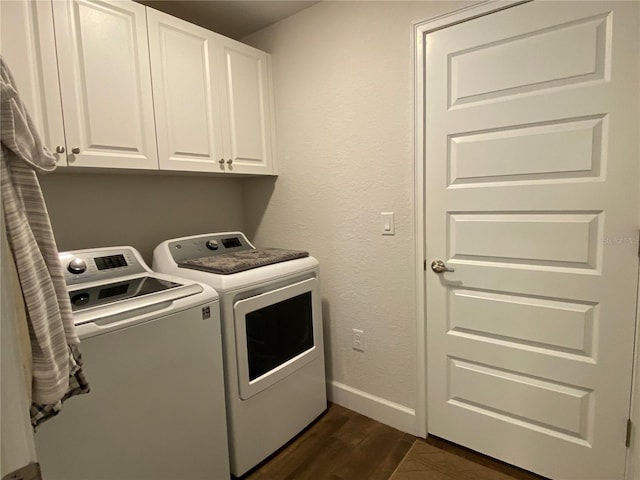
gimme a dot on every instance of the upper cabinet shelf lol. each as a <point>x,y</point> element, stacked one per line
<point>139,89</point>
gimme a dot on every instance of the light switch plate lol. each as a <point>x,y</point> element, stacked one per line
<point>388,223</point>
<point>357,340</point>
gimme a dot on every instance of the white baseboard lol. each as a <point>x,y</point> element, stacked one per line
<point>384,411</point>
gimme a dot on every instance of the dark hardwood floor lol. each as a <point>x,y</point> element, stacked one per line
<point>340,445</point>
<point>344,445</point>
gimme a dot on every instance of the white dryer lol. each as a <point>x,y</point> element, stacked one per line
<point>152,350</point>
<point>272,336</point>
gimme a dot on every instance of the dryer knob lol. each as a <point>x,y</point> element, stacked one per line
<point>77,265</point>
<point>212,244</point>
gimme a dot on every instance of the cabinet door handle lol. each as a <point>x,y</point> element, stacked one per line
<point>75,150</point>
<point>59,149</point>
<point>221,161</point>
<point>229,162</point>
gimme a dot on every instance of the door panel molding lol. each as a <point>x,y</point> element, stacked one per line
<point>593,223</point>
<point>420,30</point>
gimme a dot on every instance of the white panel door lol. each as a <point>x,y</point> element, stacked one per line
<point>247,109</point>
<point>28,46</point>
<point>105,79</point>
<point>531,148</point>
<point>184,70</point>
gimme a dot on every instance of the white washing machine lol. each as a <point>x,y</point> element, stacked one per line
<point>272,336</point>
<point>152,351</point>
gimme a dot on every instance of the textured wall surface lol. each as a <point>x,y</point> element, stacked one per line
<point>101,210</point>
<point>343,93</point>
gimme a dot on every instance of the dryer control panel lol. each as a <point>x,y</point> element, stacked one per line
<point>208,245</point>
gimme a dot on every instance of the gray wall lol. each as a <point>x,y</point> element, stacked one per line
<point>97,209</point>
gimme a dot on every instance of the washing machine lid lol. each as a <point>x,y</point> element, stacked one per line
<point>127,296</point>
<point>104,294</point>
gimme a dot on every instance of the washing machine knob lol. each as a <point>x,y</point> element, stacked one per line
<point>77,265</point>
<point>212,244</point>
<point>80,299</point>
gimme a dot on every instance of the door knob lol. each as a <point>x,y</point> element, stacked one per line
<point>75,150</point>
<point>221,161</point>
<point>59,149</point>
<point>439,266</point>
<point>229,162</point>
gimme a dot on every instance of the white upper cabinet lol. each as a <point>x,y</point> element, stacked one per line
<point>247,109</point>
<point>185,91</point>
<point>28,46</point>
<point>115,84</point>
<point>105,80</point>
<point>212,99</point>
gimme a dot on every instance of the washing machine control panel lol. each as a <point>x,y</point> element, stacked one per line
<point>85,266</point>
<point>208,245</point>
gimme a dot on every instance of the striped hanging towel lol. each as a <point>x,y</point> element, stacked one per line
<point>56,370</point>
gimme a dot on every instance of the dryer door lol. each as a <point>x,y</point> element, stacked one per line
<point>277,332</point>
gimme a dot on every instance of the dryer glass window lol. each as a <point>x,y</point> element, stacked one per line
<point>277,333</point>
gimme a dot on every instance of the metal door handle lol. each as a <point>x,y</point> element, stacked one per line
<point>229,162</point>
<point>75,150</point>
<point>221,161</point>
<point>59,149</point>
<point>439,266</point>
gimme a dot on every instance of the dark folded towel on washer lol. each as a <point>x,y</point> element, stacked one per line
<point>235,262</point>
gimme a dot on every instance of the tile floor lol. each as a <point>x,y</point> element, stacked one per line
<point>435,459</point>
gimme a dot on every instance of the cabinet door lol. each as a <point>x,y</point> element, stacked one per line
<point>28,46</point>
<point>183,67</point>
<point>103,59</point>
<point>247,109</point>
